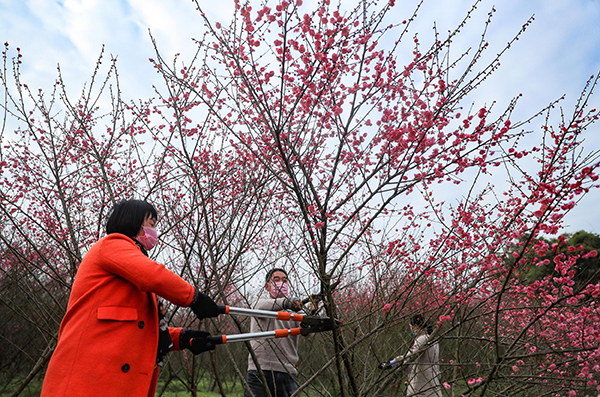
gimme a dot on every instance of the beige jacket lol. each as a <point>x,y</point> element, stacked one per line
<point>279,354</point>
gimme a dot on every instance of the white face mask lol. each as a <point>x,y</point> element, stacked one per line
<point>149,239</point>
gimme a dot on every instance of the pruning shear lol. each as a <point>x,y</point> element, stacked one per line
<point>316,298</point>
<point>308,325</point>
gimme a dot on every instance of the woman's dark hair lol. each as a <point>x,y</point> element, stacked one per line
<point>417,319</point>
<point>127,217</point>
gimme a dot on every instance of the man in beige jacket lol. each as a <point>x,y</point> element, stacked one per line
<point>277,358</point>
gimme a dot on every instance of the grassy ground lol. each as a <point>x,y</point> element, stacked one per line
<point>174,389</point>
<point>177,389</point>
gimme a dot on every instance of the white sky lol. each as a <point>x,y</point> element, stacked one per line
<point>556,56</point>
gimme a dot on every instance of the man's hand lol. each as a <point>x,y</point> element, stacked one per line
<point>195,340</point>
<point>292,304</point>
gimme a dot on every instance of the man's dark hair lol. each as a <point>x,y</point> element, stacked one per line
<point>270,273</point>
<point>417,319</point>
<point>127,217</point>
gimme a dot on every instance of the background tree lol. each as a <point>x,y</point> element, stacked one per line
<point>581,242</point>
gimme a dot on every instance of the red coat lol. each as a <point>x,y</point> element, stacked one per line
<point>108,338</point>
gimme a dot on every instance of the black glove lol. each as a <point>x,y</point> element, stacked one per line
<point>292,304</point>
<point>196,341</point>
<point>384,366</point>
<point>204,307</point>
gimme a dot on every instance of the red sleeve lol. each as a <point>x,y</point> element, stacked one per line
<point>118,254</point>
<point>175,333</point>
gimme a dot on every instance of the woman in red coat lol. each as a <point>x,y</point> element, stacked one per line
<point>113,336</point>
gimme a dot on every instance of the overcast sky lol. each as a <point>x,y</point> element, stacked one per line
<point>556,56</point>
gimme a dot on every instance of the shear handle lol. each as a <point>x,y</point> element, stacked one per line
<point>285,316</point>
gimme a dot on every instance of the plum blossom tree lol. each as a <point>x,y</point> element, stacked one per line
<point>70,161</point>
<point>349,132</point>
<point>329,137</point>
<point>57,182</point>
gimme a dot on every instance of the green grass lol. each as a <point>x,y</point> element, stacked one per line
<point>34,388</point>
<point>177,389</point>
<point>174,389</point>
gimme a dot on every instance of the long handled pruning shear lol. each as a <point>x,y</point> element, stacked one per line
<point>308,325</point>
<point>314,299</point>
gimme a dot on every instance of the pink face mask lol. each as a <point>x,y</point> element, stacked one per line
<point>149,239</point>
<point>279,289</point>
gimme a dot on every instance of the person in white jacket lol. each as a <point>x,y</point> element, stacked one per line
<point>421,362</point>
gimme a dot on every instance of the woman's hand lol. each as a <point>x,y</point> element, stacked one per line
<point>387,365</point>
<point>204,307</point>
<point>195,340</point>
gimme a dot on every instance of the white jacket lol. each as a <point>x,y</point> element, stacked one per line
<point>422,368</point>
